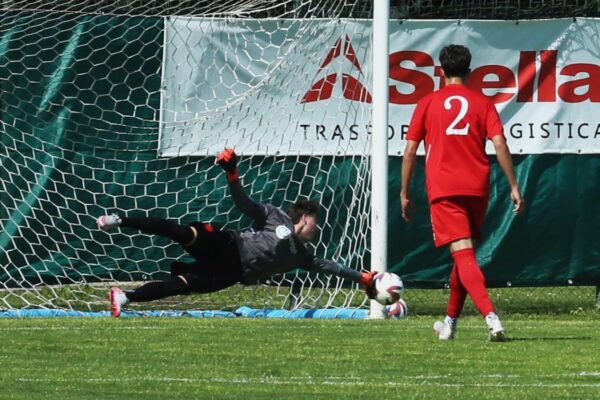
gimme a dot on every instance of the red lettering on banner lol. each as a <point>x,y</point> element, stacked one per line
<point>574,91</point>
<point>438,73</point>
<point>534,76</point>
<point>568,90</point>
<point>526,76</point>
<point>422,83</point>
<point>547,83</point>
<point>506,80</point>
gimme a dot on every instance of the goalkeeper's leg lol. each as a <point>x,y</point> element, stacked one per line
<point>182,284</point>
<point>182,234</point>
<point>159,289</point>
<point>150,291</point>
<point>185,278</point>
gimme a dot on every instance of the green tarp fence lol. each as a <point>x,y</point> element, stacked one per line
<point>79,101</point>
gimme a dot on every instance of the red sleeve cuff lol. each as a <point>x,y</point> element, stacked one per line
<point>364,279</point>
<point>233,175</point>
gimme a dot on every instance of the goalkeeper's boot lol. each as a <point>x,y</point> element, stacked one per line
<point>117,299</point>
<point>108,223</point>
<point>445,329</point>
<point>495,329</point>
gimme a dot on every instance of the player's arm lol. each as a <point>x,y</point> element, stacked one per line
<point>505,161</point>
<point>334,268</point>
<point>227,159</point>
<point>414,136</point>
<point>409,160</point>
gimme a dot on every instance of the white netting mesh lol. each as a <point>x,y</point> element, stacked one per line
<point>83,88</point>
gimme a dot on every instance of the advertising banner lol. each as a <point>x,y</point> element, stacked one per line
<point>277,87</point>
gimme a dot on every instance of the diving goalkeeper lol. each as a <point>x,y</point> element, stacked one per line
<point>274,244</point>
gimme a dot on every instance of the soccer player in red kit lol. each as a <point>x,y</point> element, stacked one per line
<point>455,122</point>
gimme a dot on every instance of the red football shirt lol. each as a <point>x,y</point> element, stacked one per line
<point>455,122</point>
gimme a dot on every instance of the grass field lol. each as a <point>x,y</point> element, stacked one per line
<point>546,357</point>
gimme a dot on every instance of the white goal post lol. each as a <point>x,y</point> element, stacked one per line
<point>379,160</point>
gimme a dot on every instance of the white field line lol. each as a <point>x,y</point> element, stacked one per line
<point>408,381</point>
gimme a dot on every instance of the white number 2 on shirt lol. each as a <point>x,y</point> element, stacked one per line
<point>464,106</point>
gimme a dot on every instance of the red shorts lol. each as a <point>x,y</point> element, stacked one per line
<point>457,217</point>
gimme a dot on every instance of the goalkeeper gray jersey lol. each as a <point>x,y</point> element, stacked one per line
<point>270,246</point>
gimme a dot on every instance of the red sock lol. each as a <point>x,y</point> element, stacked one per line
<point>472,279</point>
<point>458,294</point>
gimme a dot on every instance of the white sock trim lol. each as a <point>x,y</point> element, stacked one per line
<point>191,242</point>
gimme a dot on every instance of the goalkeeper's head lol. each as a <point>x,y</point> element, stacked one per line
<point>455,61</point>
<point>305,216</point>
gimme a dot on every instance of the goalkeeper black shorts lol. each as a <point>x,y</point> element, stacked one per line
<point>217,260</point>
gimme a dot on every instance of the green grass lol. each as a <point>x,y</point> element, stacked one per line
<point>528,300</point>
<point>547,357</point>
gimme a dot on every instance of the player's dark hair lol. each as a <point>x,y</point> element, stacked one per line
<point>455,60</point>
<point>304,206</point>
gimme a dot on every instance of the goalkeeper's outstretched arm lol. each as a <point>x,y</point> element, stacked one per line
<point>335,268</point>
<point>227,159</point>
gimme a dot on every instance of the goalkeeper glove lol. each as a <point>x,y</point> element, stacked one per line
<point>227,159</point>
<point>367,280</point>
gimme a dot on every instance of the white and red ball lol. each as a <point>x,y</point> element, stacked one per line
<point>388,288</point>
<point>398,309</point>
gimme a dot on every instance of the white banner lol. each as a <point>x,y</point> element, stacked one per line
<point>273,87</point>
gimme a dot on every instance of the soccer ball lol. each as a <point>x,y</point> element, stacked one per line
<point>398,309</point>
<point>388,288</point>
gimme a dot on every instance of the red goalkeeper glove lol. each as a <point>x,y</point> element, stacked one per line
<point>227,159</point>
<point>367,280</point>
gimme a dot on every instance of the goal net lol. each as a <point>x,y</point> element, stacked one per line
<point>122,107</point>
